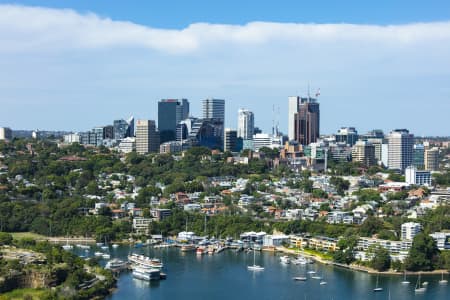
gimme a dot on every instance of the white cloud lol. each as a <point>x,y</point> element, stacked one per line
<point>53,59</point>
<point>34,28</point>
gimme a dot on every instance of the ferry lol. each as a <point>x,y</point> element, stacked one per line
<point>145,261</point>
<point>146,273</point>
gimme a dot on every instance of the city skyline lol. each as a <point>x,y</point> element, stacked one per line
<point>373,74</point>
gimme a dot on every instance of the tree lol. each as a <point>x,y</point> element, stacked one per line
<point>423,254</point>
<point>370,226</point>
<point>340,184</point>
<point>381,260</point>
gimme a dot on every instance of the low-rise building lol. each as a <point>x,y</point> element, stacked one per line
<point>398,250</point>
<point>161,213</point>
<point>442,240</point>
<point>410,230</point>
<point>141,225</point>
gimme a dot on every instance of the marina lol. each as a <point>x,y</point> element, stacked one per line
<point>188,273</point>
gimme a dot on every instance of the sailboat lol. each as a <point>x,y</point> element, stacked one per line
<point>404,278</point>
<point>67,246</point>
<point>377,288</point>
<point>419,288</point>
<point>443,281</point>
<point>255,267</point>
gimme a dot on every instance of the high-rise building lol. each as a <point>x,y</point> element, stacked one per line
<point>418,156</point>
<point>292,110</point>
<point>410,230</point>
<point>213,109</point>
<point>378,144</point>
<point>246,124</point>
<point>123,129</point>
<point>170,113</point>
<point>5,133</point>
<point>147,137</point>
<point>347,135</point>
<point>431,159</point>
<point>307,121</point>
<point>231,142</point>
<point>364,152</point>
<point>400,154</point>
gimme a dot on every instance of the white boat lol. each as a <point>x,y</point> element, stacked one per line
<point>311,272</point>
<point>404,279</point>
<point>145,261</point>
<point>115,246</point>
<point>285,259</point>
<point>316,277</point>
<point>99,244</point>
<point>104,248</point>
<point>377,288</point>
<point>419,288</point>
<point>116,264</point>
<point>146,273</point>
<point>443,281</point>
<point>106,256</point>
<point>300,278</point>
<point>98,253</point>
<point>300,260</point>
<point>255,267</point>
<point>67,246</point>
<point>323,282</point>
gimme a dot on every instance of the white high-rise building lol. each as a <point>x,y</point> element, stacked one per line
<point>213,109</point>
<point>5,133</point>
<point>292,110</point>
<point>410,230</point>
<point>147,137</point>
<point>400,151</point>
<point>246,124</point>
<point>417,177</point>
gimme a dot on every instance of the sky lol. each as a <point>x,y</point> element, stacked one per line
<point>73,65</point>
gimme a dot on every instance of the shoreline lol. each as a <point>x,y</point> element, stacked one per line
<point>356,267</point>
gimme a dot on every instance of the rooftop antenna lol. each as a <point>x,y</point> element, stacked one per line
<point>273,119</point>
<point>278,122</point>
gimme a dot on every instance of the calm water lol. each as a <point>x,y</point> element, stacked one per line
<point>225,276</point>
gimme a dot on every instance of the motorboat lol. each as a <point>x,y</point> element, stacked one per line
<point>300,278</point>
<point>285,259</point>
<point>116,264</point>
<point>377,288</point>
<point>443,281</point>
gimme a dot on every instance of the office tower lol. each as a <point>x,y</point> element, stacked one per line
<point>246,124</point>
<point>123,129</point>
<point>307,121</point>
<point>170,113</point>
<point>378,144</point>
<point>364,152</point>
<point>231,142</point>
<point>5,133</point>
<point>213,109</point>
<point>214,113</point>
<point>147,137</point>
<point>410,230</point>
<point>431,159</point>
<point>400,151</point>
<point>108,132</point>
<point>418,156</point>
<point>347,135</point>
<point>292,110</point>
<point>373,134</point>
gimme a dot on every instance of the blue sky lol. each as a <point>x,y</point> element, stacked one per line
<point>76,64</point>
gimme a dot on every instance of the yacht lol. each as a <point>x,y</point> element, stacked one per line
<point>404,279</point>
<point>187,248</point>
<point>316,277</point>
<point>106,256</point>
<point>116,264</point>
<point>67,246</point>
<point>377,288</point>
<point>115,246</point>
<point>285,259</point>
<point>323,282</point>
<point>98,254</point>
<point>255,267</point>
<point>300,278</point>
<point>419,288</point>
<point>200,251</point>
<point>443,281</point>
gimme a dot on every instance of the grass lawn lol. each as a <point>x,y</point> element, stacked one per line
<point>29,235</point>
<point>24,294</point>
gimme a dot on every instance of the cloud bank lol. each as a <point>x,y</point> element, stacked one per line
<point>54,56</point>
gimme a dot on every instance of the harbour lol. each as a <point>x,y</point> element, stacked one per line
<point>225,274</point>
